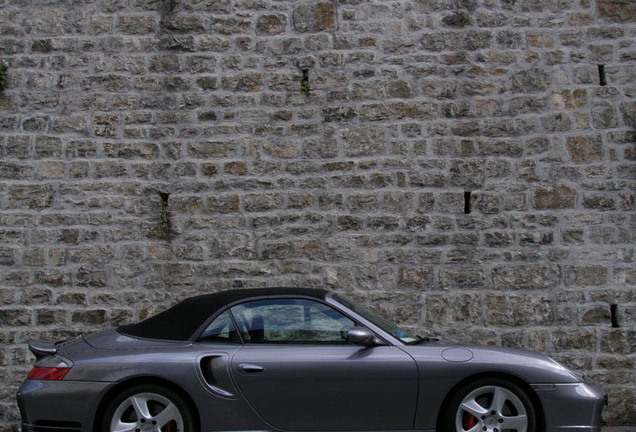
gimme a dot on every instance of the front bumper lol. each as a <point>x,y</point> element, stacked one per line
<point>572,407</point>
<point>59,405</point>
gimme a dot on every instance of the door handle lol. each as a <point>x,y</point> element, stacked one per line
<point>250,368</point>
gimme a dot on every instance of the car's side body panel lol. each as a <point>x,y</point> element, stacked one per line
<point>438,376</point>
<point>327,388</point>
<point>178,363</point>
<point>301,388</point>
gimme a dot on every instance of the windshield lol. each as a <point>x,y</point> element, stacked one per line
<point>383,323</point>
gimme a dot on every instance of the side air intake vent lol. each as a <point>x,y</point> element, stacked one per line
<point>215,373</point>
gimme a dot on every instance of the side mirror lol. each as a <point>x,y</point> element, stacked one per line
<point>361,336</point>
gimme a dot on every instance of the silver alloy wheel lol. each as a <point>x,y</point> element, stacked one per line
<point>491,409</point>
<point>147,412</point>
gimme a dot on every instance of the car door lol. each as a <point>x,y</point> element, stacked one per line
<point>299,373</point>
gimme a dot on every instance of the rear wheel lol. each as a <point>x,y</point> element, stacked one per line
<point>491,405</point>
<point>147,408</point>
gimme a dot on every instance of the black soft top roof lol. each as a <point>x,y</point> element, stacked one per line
<point>183,319</point>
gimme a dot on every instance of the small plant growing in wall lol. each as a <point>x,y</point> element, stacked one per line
<point>165,219</point>
<point>304,84</point>
<point>3,75</point>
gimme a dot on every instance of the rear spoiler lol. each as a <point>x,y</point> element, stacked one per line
<point>41,349</point>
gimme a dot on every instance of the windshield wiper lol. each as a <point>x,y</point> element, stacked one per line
<point>421,340</point>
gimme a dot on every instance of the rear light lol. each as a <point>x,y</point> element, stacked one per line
<point>48,373</point>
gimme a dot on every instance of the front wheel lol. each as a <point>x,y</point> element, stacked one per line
<point>147,408</point>
<point>490,405</point>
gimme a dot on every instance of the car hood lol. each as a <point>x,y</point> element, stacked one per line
<point>532,367</point>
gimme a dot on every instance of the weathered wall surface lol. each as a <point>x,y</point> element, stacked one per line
<point>151,150</point>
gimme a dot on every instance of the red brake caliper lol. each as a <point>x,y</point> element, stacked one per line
<point>469,421</point>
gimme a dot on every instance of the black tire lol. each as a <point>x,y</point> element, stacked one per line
<point>162,395</point>
<point>457,419</point>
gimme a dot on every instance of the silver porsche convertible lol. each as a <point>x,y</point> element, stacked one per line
<point>287,359</point>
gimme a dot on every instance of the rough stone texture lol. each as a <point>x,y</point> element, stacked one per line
<point>270,24</point>
<point>314,17</point>
<point>617,10</point>
<point>560,197</point>
<point>584,149</point>
<point>151,151</point>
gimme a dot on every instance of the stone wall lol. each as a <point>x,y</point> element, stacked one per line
<point>465,166</point>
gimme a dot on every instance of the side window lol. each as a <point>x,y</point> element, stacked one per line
<point>291,321</point>
<point>221,330</point>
